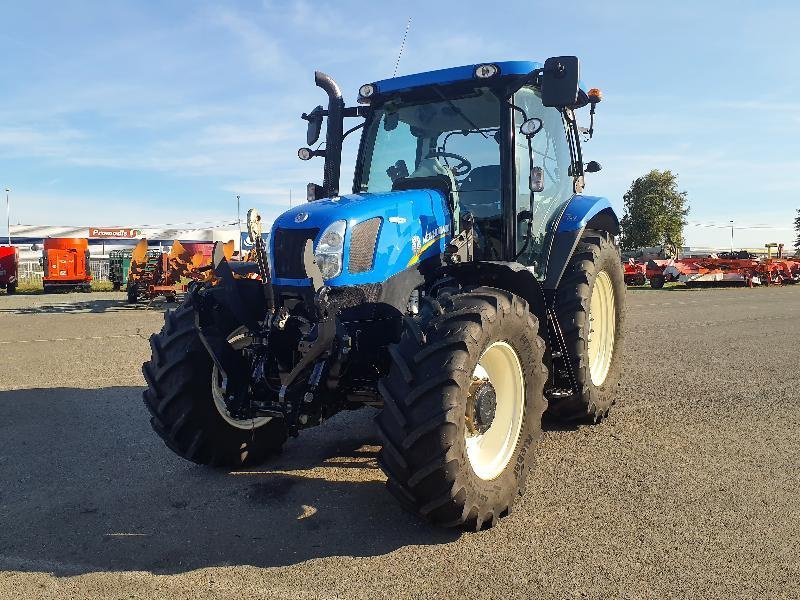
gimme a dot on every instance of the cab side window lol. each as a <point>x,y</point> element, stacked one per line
<point>551,154</point>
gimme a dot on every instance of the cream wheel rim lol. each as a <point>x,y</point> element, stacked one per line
<point>238,340</point>
<point>602,327</point>
<point>490,452</point>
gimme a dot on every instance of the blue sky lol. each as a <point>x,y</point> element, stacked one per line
<point>132,113</point>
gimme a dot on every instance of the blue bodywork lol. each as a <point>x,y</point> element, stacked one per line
<point>406,215</point>
<point>580,211</point>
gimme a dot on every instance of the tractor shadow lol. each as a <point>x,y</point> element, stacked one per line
<point>89,487</point>
<point>54,305</point>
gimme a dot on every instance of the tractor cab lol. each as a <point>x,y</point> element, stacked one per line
<point>499,140</point>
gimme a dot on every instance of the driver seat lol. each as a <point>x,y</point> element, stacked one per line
<point>426,175</point>
<point>480,192</point>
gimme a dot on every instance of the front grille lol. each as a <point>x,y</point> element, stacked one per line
<point>288,247</point>
<point>362,245</point>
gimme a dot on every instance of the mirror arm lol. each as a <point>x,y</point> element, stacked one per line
<point>591,119</point>
<point>313,114</point>
<point>532,78</point>
<point>529,231</point>
<point>356,111</point>
<point>352,129</point>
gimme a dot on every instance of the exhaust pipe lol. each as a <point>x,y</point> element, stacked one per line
<point>333,132</point>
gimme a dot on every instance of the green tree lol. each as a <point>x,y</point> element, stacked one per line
<point>655,211</point>
<point>797,229</point>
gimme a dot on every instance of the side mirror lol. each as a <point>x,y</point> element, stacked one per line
<point>391,121</point>
<point>531,127</point>
<point>314,125</point>
<point>592,167</point>
<point>560,81</point>
<point>536,182</point>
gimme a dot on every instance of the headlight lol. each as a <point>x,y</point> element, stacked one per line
<point>486,71</point>
<point>365,92</point>
<point>329,250</point>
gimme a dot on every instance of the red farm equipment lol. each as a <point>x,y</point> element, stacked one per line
<point>726,269</point>
<point>778,270</point>
<point>635,273</point>
<point>773,271</point>
<point>659,273</point>
<point>707,272</point>
<point>65,262</point>
<point>9,264</point>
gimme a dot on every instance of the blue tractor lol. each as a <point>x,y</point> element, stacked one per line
<point>465,286</point>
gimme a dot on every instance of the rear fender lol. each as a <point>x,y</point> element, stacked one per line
<point>580,214</point>
<point>510,276</point>
<point>520,280</point>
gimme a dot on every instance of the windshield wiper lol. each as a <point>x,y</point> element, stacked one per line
<point>458,111</point>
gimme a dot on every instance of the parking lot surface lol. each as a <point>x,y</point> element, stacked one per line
<point>690,488</point>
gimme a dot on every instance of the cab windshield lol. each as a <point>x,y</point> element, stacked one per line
<point>458,138</point>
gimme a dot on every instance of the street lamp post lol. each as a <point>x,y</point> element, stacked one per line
<point>8,216</point>
<point>731,236</point>
<point>239,222</point>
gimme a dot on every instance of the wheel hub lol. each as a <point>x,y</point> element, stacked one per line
<point>495,406</point>
<point>481,405</point>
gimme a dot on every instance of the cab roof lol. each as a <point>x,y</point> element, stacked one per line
<point>452,75</point>
<point>508,68</point>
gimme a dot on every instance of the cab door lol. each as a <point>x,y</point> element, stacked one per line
<point>536,214</point>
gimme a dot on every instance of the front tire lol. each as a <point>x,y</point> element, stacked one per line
<point>183,411</point>
<point>590,307</point>
<point>456,450</point>
<point>11,288</point>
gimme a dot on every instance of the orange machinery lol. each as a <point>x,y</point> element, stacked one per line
<point>65,262</point>
<point>153,273</point>
<point>9,264</point>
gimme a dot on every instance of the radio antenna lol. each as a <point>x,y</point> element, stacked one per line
<point>402,47</point>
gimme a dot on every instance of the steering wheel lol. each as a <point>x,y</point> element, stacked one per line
<point>462,168</point>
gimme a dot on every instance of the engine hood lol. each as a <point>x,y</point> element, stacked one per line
<point>415,225</point>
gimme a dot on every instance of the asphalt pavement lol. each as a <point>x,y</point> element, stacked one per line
<point>690,489</point>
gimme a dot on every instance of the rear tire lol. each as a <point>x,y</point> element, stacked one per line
<point>133,293</point>
<point>437,464</point>
<point>181,403</point>
<point>11,289</point>
<point>591,295</point>
<point>657,282</point>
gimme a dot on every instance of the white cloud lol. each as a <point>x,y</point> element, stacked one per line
<point>263,50</point>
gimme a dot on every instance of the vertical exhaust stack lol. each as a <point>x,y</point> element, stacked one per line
<point>333,134</point>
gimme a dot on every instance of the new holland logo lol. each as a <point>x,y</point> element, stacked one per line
<point>300,217</point>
